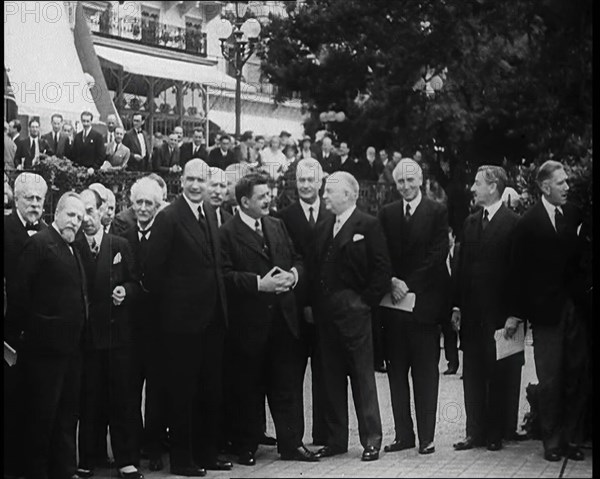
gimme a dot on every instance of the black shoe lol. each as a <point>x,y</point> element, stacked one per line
<point>370,454</point>
<point>83,471</point>
<point>467,443</point>
<point>131,475</point>
<point>450,370</point>
<point>247,459</point>
<point>330,451</point>
<point>427,448</point>
<point>399,446</point>
<point>575,453</point>
<point>300,454</point>
<point>494,445</point>
<point>552,455</point>
<point>267,440</point>
<point>156,464</point>
<point>189,471</point>
<point>218,465</point>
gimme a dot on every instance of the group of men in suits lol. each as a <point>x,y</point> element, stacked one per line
<point>203,306</point>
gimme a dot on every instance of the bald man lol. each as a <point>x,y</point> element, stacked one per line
<point>183,271</point>
<point>416,229</point>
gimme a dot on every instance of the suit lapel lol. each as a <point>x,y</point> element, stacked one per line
<point>271,238</point>
<point>248,238</point>
<point>103,262</point>
<point>493,226</point>
<point>345,234</point>
<point>189,221</point>
<point>417,220</point>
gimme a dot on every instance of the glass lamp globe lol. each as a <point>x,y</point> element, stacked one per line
<point>224,29</point>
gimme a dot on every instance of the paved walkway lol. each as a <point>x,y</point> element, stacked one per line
<point>517,459</point>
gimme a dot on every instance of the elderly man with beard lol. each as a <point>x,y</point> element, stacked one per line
<point>51,298</point>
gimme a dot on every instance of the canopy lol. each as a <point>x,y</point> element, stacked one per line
<point>42,63</point>
<point>158,67</point>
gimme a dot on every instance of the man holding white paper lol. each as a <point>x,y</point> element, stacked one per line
<point>491,385</point>
<point>416,229</point>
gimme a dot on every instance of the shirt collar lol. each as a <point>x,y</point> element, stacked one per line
<point>98,236</point>
<point>148,226</point>
<point>493,209</point>
<point>194,206</point>
<point>315,206</point>
<point>23,220</point>
<point>248,220</point>
<point>343,217</point>
<point>414,203</point>
<point>550,208</point>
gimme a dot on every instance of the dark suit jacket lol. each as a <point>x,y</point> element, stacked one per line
<point>131,141</point>
<point>360,265</point>
<point>367,171</point>
<point>225,215</point>
<point>109,326</point>
<point>186,153</point>
<point>123,221</point>
<point>162,159</point>
<point>327,164</point>
<point>303,237</point>
<point>25,152</point>
<point>243,259</point>
<point>418,253</point>
<point>350,165</point>
<point>15,236</point>
<point>483,275</point>
<point>51,295</point>
<point>547,267</point>
<point>215,158</point>
<point>90,153</point>
<point>184,268</point>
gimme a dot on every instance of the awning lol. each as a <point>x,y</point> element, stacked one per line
<point>42,64</point>
<point>260,125</point>
<point>158,67</point>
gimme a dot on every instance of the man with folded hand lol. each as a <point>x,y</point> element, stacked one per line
<point>261,269</point>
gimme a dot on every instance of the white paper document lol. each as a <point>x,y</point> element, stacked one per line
<point>407,304</point>
<point>508,347</point>
<point>10,355</point>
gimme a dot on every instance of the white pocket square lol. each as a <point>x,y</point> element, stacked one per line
<point>357,237</point>
<point>117,258</point>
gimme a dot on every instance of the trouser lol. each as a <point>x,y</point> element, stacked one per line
<point>450,343</point>
<point>560,353</point>
<point>414,347</point>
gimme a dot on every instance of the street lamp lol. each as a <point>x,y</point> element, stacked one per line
<point>237,49</point>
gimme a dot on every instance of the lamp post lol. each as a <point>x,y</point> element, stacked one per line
<point>238,48</point>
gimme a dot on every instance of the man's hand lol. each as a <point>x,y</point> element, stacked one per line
<point>275,281</point>
<point>510,327</point>
<point>399,290</point>
<point>105,166</point>
<point>455,320</point>
<point>118,295</point>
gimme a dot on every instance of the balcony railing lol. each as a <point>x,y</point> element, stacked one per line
<point>150,31</point>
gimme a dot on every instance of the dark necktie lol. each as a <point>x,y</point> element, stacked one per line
<point>407,215</point>
<point>201,218</point>
<point>55,142</point>
<point>311,217</point>
<point>485,220</point>
<point>258,228</point>
<point>144,234</point>
<point>95,248</point>
<point>32,227</point>
<point>559,221</point>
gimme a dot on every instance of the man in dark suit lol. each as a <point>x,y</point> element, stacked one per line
<point>111,125</point>
<point>344,162</point>
<point>166,159</point>
<point>222,157</point>
<point>303,219</point>
<point>416,230</point>
<point>184,272</point>
<point>54,138</point>
<point>24,221</point>
<point>549,293</point>
<point>215,194</point>
<point>30,148</point>
<point>146,199</point>
<point>491,387</point>
<point>88,146</point>
<point>351,274</point>
<point>326,156</point>
<point>65,148</point>
<point>448,332</point>
<point>370,167</point>
<point>261,268</point>
<point>107,363</point>
<point>194,149</point>
<point>52,307</point>
<point>139,145</point>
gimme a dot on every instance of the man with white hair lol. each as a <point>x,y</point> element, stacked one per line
<point>370,167</point>
<point>146,201</point>
<point>351,273</point>
<point>416,229</point>
<point>184,273</point>
<point>216,192</point>
<point>24,221</point>
<point>303,219</point>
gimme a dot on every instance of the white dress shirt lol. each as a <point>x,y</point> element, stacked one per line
<point>315,206</point>
<point>140,137</point>
<point>98,237</point>
<point>24,221</point>
<point>341,219</point>
<point>194,207</point>
<point>551,210</point>
<point>414,203</point>
<point>493,209</point>
<point>140,229</point>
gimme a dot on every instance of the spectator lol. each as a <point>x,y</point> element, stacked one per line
<point>273,160</point>
<point>305,148</point>
<point>88,146</point>
<point>9,149</point>
<point>245,151</point>
<point>194,149</point>
<point>66,151</point>
<point>54,137</point>
<point>326,156</point>
<point>370,167</point>
<point>222,156</point>
<point>109,214</point>
<point>111,125</point>
<point>139,145</point>
<point>344,162</point>
<point>29,149</point>
<point>178,130</point>
<point>386,176</point>
<point>117,154</point>
<point>14,130</point>
<point>166,159</point>
<point>216,193</point>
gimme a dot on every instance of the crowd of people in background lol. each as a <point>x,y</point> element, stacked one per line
<point>206,305</point>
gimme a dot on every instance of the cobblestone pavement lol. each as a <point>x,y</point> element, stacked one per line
<point>517,459</point>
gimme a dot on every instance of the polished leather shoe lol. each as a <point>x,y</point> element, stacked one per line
<point>467,443</point>
<point>575,453</point>
<point>267,440</point>
<point>190,471</point>
<point>449,371</point>
<point>427,448</point>
<point>218,465</point>
<point>552,455</point>
<point>398,446</point>
<point>370,454</point>
<point>327,451</point>
<point>247,459</point>
<point>84,472</point>
<point>300,454</point>
<point>494,445</point>
<point>156,464</point>
<point>131,475</point>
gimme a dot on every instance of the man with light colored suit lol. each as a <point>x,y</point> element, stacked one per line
<point>117,154</point>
